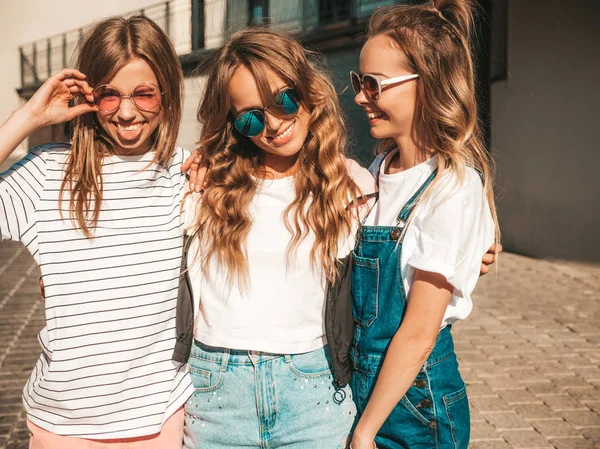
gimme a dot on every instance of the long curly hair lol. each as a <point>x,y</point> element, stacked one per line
<point>108,46</point>
<point>435,37</point>
<point>323,187</point>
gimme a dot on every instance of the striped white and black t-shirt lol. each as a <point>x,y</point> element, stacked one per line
<point>106,369</point>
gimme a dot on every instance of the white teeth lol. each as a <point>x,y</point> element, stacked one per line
<point>130,127</point>
<point>286,133</point>
<point>372,115</point>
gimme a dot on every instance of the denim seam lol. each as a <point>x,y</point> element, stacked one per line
<point>435,362</point>
<point>360,321</point>
<point>411,408</point>
<point>434,420</point>
<point>449,416</point>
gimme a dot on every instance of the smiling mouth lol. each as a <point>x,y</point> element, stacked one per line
<point>285,133</point>
<point>132,127</point>
<point>374,115</point>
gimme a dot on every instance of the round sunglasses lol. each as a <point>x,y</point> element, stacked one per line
<point>251,123</point>
<point>371,85</point>
<point>145,97</point>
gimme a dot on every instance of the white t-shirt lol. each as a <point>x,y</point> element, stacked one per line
<point>105,369</point>
<point>450,232</point>
<point>282,311</point>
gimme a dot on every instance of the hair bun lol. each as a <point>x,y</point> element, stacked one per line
<point>457,12</point>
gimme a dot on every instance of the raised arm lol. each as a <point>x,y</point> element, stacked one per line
<point>48,106</point>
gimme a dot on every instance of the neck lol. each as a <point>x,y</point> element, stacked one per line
<point>408,156</point>
<point>278,167</point>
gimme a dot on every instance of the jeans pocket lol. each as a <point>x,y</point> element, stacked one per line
<point>457,409</point>
<point>311,364</point>
<point>206,375</point>
<point>365,290</point>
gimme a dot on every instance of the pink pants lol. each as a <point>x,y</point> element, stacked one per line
<point>169,437</point>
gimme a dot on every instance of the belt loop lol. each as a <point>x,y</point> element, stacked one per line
<point>288,358</point>
<point>224,361</point>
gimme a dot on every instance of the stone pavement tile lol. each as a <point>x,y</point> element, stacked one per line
<point>581,418</point>
<point>543,386</point>
<point>526,375</point>
<point>489,404</point>
<point>489,444</point>
<point>573,443</point>
<point>526,439</point>
<point>560,402</point>
<point>475,389</point>
<point>589,373</point>
<point>483,431</point>
<point>504,382</point>
<point>591,394</point>
<point>535,411</point>
<point>568,381</point>
<point>514,397</point>
<point>552,428</point>
<point>506,421</point>
<point>592,433</point>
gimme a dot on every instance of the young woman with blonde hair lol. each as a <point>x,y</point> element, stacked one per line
<point>267,233</point>
<point>418,253</point>
<point>101,216</point>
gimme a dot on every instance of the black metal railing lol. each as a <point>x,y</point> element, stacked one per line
<point>42,58</point>
<point>196,25</point>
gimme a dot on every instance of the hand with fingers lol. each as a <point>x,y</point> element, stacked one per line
<point>490,258</point>
<point>51,103</point>
<point>197,166</point>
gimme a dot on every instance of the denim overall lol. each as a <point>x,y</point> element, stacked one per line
<point>434,413</point>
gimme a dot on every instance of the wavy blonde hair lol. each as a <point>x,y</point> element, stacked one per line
<point>435,38</point>
<point>106,48</point>
<point>323,187</point>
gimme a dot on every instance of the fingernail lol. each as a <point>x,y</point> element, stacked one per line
<point>192,186</point>
<point>198,189</point>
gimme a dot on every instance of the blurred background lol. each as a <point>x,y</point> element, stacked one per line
<point>538,70</point>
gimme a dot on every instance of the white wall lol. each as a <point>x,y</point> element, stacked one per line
<point>545,130</point>
<point>24,21</point>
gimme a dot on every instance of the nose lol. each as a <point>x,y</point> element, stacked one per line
<point>127,110</point>
<point>273,122</point>
<point>360,98</point>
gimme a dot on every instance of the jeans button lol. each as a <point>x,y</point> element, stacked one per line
<point>421,383</point>
<point>425,403</point>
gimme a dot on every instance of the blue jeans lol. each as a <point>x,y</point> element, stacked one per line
<point>254,399</point>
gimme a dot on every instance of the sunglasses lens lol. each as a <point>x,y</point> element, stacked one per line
<point>371,87</point>
<point>146,97</point>
<point>107,98</point>
<point>289,100</point>
<point>250,123</point>
<point>355,79</point>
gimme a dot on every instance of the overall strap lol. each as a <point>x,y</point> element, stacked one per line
<point>410,204</point>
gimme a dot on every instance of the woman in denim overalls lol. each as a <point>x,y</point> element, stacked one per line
<point>416,259</point>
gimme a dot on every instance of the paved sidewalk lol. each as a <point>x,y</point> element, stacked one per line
<point>530,353</point>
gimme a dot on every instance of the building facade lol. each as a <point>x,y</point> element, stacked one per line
<point>537,70</point>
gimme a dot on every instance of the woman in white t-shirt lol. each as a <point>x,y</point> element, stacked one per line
<point>101,217</point>
<point>418,253</point>
<point>266,236</point>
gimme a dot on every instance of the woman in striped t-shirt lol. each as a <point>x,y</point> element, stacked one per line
<point>101,216</point>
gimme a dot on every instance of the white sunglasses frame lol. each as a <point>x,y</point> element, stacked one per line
<point>380,83</point>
